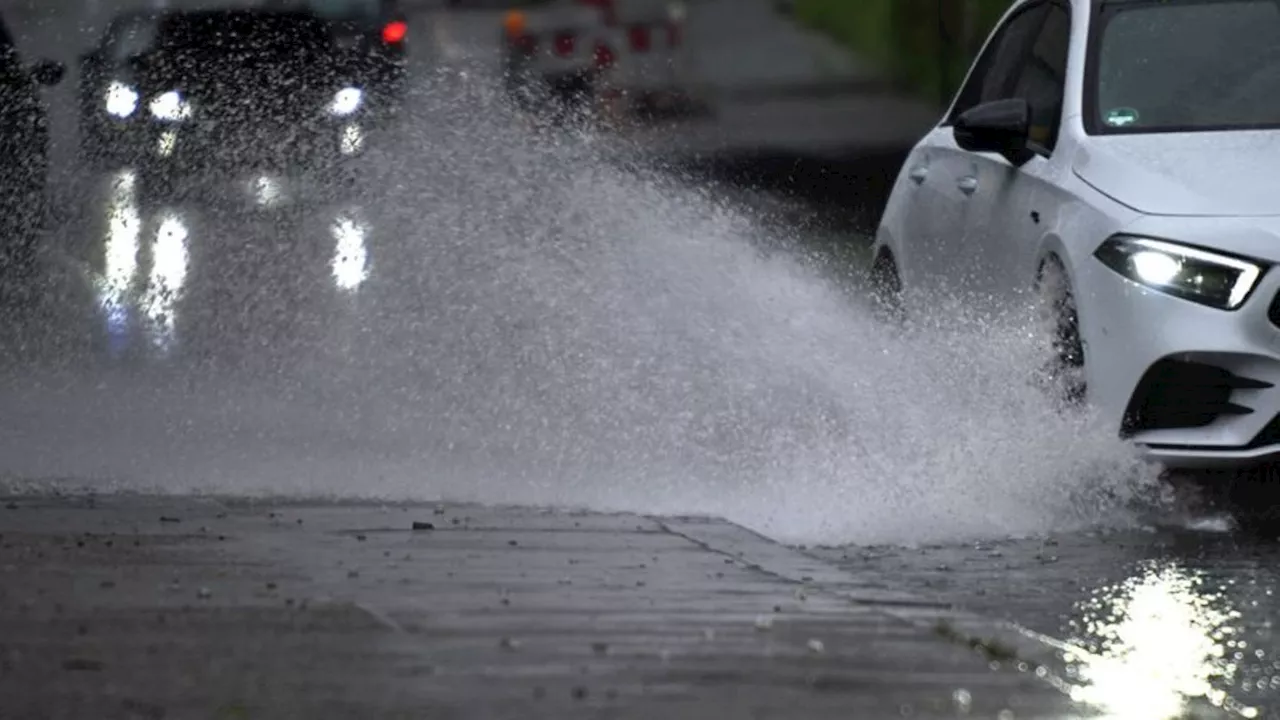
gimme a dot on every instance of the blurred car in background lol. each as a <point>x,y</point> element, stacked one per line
<point>24,145</point>
<point>270,95</point>
<point>107,97</point>
<point>625,57</point>
<point>366,37</point>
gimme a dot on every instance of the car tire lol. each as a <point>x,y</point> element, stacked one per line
<point>1064,368</point>
<point>886,289</point>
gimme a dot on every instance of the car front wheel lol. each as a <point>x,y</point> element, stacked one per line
<point>1063,369</point>
<point>886,288</point>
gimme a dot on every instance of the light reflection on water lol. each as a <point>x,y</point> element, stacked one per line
<point>350,252</point>
<point>168,275</point>
<point>1153,643</point>
<point>146,267</point>
<point>124,226</point>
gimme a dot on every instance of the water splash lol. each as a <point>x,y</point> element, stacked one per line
<point>543,319</point>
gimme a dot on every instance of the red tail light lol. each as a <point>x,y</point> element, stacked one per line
<point>604,56</point>
<point>638,35</point>
<point>607,11</point>
<point>565,43</point>
<point>395,32</point>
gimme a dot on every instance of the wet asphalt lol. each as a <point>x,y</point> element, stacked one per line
<point>1185,604</point>
<point>153,607</point>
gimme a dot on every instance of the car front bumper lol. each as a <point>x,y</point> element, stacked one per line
<point>1192,386</point>
<point>205,148</point>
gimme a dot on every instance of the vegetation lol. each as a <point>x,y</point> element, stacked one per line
<point>925,45</point>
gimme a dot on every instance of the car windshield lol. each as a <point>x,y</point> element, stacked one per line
<point>344,8</point>
<point>255,33</point>
<point>1178,66</point>
<point>334,9</point>
<point>132,35</point>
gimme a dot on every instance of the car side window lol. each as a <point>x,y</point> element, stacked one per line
<point>1042,81</point>
<point>995,74</point>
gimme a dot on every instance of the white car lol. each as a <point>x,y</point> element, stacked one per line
<point>1121,158</point>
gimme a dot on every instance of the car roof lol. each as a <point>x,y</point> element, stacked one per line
<point>171,18</point>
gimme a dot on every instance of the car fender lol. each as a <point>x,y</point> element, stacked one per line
<point>1051,245</point>
<point>883,243</point>
<point>1084,219</point>
<point>889,233</point>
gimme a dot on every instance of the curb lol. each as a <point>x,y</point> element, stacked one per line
<point>1006,645</point>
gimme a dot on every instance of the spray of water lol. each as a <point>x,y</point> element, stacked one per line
<point>541,319</point>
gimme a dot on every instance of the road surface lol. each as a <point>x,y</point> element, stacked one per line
<point>168,608</point>
<point>1168,609</point>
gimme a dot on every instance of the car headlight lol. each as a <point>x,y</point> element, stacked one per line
<point>120,100</point>
<point>346,101</point>
<point>170,106</point>
<point>1202,276</point>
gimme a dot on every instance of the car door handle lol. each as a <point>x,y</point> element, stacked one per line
<point>918,174</point>
<point>967,185</point>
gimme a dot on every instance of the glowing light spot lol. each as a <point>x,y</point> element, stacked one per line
<point>170,106</point>
<point>121,251</point>
<point>352,140</point>
<point>267,190</point>
<point>350,254</point>
<point>1157,644</point>
<point>1156,268</point>
<point>168,275</point>
<point>346,101</point>
<point>120,99</point>
<point>167,143</point>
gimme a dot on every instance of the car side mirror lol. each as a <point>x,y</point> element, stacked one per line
<point>999,126</point>
<point>48,72</point>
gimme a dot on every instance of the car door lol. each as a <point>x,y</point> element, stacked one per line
<point>1013,204</point>
<point>961,186</point>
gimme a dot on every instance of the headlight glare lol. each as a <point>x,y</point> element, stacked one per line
<point>170,106</point>
<point>346,101</point>
<point>120,100</point>
<point>1202,276</point>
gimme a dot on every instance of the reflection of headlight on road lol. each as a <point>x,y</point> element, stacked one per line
<point>350,254</point>
<point>165,144</point>
<point>170,106</point>
<point>121,261</point>
<point>120,99</point>
<point>352,140</point>
<point>346,101</point>
<point>267,190</point>
<point>168,275</point>
<point>1156,642</point>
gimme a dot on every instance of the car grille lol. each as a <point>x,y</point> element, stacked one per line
<point>1273,312</point>
<point>1176,394</point>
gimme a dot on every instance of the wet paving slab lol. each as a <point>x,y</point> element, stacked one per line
<point>132,606</point>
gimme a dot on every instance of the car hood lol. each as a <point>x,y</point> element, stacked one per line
<point>240,87</point>
<point>1191,174</point>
